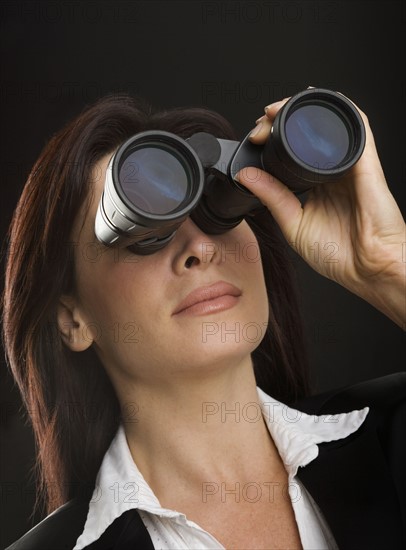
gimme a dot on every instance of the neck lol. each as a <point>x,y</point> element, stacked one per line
<point>195,430</point>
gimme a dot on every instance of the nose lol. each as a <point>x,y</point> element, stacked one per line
<point>193,249</point>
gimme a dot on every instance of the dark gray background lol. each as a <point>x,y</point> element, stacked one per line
<point>234,57</point>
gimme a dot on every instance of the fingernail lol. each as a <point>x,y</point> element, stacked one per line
<point>256,130</point>
<point>310,87</point>
<point>259,119</point>
<point>276,103</point>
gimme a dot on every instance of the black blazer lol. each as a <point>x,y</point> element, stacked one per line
<point>358,482</point>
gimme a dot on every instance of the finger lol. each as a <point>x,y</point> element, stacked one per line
<point>261,131</point>
<point>272,109</point>
<point>284,206</point>
<point>264,123</point>
<point>370,156</point>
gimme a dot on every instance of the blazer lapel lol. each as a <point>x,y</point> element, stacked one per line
<point>127,532</point>
<point>371,516</point>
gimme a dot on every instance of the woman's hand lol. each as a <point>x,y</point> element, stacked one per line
<point>350,231</point>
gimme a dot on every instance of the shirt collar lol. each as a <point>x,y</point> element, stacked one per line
<point>120,486</point>
<point>297,434</point>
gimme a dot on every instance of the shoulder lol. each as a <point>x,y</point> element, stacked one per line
<point>58,531</point>
<point>383,395</point>
<point>61,530</point>
<point>359,481</point>
<point>384,424</point>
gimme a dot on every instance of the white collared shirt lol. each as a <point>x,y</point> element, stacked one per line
<point>120,486</point>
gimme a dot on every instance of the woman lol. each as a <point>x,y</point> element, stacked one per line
<point>140,374</point>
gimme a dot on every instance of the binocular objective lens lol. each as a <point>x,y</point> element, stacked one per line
<point>318,136</point>
<point>154,179</point>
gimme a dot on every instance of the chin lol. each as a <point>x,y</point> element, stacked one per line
<point>217,355</point>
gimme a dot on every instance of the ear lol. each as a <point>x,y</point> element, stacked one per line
<point>72,326</point>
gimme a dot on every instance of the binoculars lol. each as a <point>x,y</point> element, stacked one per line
<point>155,180</point>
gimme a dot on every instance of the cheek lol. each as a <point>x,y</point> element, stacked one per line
<point>242,250</point>
<point>113,304</point>
<point>251,265</point>
<point>243,239</point>
<point>127,318</point>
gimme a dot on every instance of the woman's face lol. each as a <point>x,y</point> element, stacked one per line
<point>198,304</point>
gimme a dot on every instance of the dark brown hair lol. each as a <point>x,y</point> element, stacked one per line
<point>71,402</point>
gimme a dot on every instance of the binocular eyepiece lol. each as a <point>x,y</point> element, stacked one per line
<point>155,180</point>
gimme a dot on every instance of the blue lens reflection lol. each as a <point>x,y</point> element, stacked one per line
<point>154,180</point>
<point>317,136</point>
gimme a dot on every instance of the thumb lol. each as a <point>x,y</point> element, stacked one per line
<point>284,206</point>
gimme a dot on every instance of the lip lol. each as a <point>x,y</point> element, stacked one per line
<point>209,299</point>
